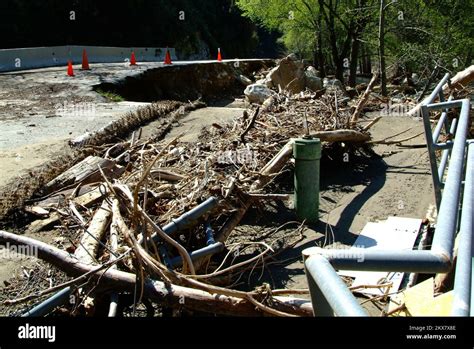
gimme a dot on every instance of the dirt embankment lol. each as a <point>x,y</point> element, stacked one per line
<point>211,82</point>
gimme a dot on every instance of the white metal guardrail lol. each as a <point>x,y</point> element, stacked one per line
<point>42,57</point>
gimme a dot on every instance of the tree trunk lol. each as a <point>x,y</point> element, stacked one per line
<point>340,70</point>
<point>353,63</point>
<point>319,38</point>
<point>366,60</point>
<point>383,73</point>
<point>468,57</point>
<point>329,19</point>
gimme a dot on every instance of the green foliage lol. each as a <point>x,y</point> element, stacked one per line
<point>420,33</point>
<point>113,97</point>
<point>425,33</point>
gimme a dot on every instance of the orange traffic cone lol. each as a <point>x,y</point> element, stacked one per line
<point>70,71</point>
<point>133,60</point>
<point>219,56</point>
<point>85,61</point>
<point>168,57</point>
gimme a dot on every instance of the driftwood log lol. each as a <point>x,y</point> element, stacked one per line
<point>86,171</point>
<point>89,245</point>
<point>342,136</point>
<point>460,80</point>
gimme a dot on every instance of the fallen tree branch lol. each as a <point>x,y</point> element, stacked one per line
<point>372,123</point>
<point>344,135</point>
<point>250,125</point>
<point>460,80</point>
<point>363,100</point>
<point>89,245</point>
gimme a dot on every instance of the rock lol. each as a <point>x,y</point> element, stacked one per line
<point>312,81</point>
<point>257,93</point>
<point>244,80</point>
<point>289,75</point>
<point>312,71</point>
<point>333,84</point>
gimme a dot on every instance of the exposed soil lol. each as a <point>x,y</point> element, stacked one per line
<point>210,82</point>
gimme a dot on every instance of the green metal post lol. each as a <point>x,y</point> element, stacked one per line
<point>307,154</point>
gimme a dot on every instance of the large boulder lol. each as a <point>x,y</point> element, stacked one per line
<point>312,80</point>
<point>289,75</point>
<point>257,93</point>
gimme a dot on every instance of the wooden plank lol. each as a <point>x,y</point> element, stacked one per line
<point>86,171</point>
<point>87,199</point>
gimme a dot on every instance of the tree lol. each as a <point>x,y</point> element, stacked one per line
<point>331,28</point>
<point>383,71</point>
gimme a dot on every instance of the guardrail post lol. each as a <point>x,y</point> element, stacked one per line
<point>432,155</point>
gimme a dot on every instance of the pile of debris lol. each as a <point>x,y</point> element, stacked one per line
<point>152,217</point>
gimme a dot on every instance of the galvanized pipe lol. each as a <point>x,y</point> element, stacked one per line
<point>432,155</point>
<point>329,294</point>
<point>198,254</point>
<point>188,218</point>
<point>462,282</point>
<point>413,261</point>
<point>446,154</point>
<point>443,239</point>
<point>439,126</point>
<point>437,89</point>
<point>49,304</point>
<point>443,105</point>
<point>443,121</point>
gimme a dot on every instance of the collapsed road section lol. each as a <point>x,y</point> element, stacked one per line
<point>43,110</point>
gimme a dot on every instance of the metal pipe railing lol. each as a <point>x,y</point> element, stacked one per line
<point>439,126</point>
<point>328,291</point>
<point>445,155</point>
<point>432,154</point>
<point>413,261</point>
<point>432,139</point>
<point>462,284</point>
<point>436,91</point>
<point>331,296</point>
<point>449,208</point>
